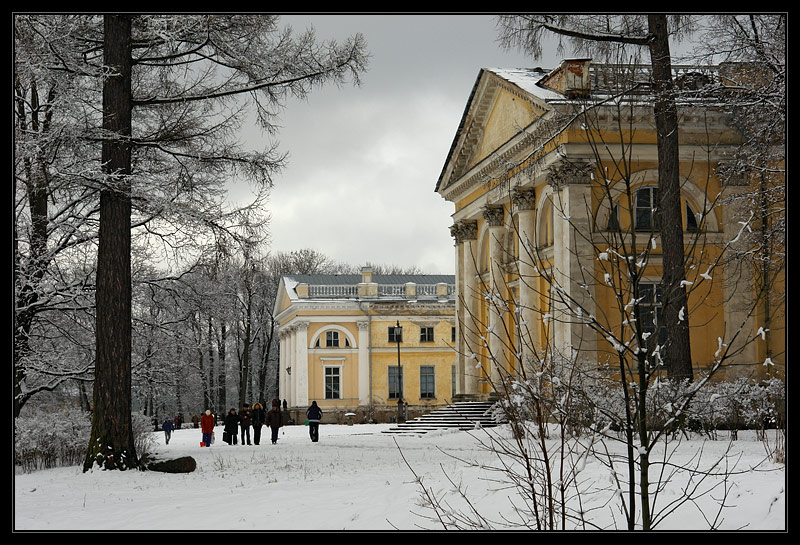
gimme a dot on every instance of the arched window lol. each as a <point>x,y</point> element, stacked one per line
<point>546,224</point>
<point>332,340</point>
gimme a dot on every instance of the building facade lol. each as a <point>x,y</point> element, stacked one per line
<point>553,175</point>
<point>359,344</point>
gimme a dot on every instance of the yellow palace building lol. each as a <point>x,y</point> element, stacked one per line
<point>553,179</point>
<point>359,344</point>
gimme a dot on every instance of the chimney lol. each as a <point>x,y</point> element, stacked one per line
<point>570,79</point>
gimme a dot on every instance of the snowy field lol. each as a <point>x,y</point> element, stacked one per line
<point>355,478</point>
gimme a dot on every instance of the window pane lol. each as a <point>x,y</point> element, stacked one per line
<point>332,338</point>
<point>426,334</point>
<point>643,198</point>
<point>691,219</point>
<point>646,216</point>
<point>427,387</point>
<point>651,313</point>
<point>394,383</point>
<point>613,219</point>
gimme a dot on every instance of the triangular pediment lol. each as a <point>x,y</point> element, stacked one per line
<point>502,104</point>
<point>282,298</point>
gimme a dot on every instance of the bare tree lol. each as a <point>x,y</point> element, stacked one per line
<point>604,35</point>
<point>753,50</point>
<point>176,72</point>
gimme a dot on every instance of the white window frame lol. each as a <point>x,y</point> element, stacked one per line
<point>336,364</point>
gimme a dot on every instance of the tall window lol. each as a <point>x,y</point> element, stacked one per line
<point>651,312</point>
<point>333,383</point>
<point>331,338</point>
<point>395,334</point>
<point>646,209</point>
<point>426,334</point>
<point>427,382</point>
<point>395,381</point>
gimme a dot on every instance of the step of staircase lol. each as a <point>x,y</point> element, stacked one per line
<point>467,415</point>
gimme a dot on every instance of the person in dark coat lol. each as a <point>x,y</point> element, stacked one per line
<point>232,426</point>
<point>195,421</point>
<point>207,427</point>
<point>275,420</point>
<point>245,421</point>
<point>314,415</point>
<point>259,417</point>
<point>167,426</point>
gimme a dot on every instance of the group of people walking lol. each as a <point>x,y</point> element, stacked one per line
<point>239,424</point>
<point>255,418</point>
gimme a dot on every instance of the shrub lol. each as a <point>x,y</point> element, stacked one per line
<point>46,439</point>
<point>51,439</point>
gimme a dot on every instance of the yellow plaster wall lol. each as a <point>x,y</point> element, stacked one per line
<point>413,355</point>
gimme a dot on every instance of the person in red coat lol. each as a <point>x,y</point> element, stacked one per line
<point>207,427</point>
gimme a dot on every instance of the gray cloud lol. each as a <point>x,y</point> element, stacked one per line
<point>364,161</point>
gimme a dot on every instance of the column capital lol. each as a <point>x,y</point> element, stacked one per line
<point>494,215</point>
<point>464,230</point>
<point>524,199</point>
<point>570,173</point>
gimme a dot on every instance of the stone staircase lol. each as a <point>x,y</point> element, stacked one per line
<point>465,415</point>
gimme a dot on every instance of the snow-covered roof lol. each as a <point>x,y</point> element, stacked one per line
<point>528,80</point>
<point>355,279</point>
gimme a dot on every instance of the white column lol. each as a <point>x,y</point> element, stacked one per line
<point>301,363</point>
<point>363,363</point>
<point>469,319</point>
<point>572,251</point>
<point>282,390</point>
<point>291,363</point>
<point>497,336</point>
<point>529,329</point>
<point>455,232</point>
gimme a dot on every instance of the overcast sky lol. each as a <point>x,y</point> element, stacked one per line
<point>364,161</point>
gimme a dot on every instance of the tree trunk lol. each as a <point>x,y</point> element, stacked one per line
<point>178,377</point>
<point>208,384</point>
<point>222,340</point>
<point>37,194</point>
<point>244,376</point>
<point>677,354</point>
<point>111,444</point>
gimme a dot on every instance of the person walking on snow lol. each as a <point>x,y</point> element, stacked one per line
<point>232,427</point>
<point>259,418</point>
<point>275,420</point>
<point>167,427</point>
<point>207,422</point>
<point>245,419</point>
<point>314,415</point>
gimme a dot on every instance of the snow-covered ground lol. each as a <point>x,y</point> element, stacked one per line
<point>354,478</point>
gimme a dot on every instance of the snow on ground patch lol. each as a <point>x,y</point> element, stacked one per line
<point>355,478</point>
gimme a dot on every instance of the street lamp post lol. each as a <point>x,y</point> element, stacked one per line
<point>398,335</point>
